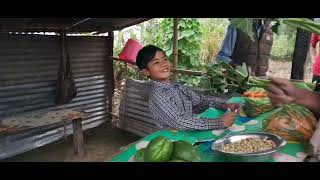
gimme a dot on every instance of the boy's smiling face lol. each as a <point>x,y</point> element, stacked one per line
<point>158,68</point>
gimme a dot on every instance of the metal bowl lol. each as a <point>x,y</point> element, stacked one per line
<point>248,157</point>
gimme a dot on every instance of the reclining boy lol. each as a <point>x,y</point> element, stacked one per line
<point>173,105</point>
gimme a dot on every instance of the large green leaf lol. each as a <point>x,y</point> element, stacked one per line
<point>194,51</point>
<point>193,61</point>
<point>169,52</point>
<point>182,44</point>
<point>195,23</point>
<point>169,35</point>
<point>182,23</point>
<point>302,23</point>
<point>186,33</point>
<point>244,25</point>
<point>166,47</point>
<point>243,69</point>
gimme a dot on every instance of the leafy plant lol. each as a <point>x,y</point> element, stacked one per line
<point>151,32</point>
<point>244,25</point>
<point>213,31</point>
<point>302,23</point>
<point>224,78</point>
<point>189,41</point>
<point>283,47</point>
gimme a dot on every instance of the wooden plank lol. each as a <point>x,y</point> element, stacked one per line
<point>78,137</point>
<point>175,47</point>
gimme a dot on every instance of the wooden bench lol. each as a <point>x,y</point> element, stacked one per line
<point>40,119</point>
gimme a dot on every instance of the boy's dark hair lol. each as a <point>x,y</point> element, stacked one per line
<point>145,55</point>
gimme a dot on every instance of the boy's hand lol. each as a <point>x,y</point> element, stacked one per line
<point>228,119</point>
<point>232,106</point>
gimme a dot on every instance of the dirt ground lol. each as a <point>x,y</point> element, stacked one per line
<point>101,144</point>
<point>283,70</point>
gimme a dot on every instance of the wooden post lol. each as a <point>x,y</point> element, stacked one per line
<point>78,137</point>
<point>110,41</point>
<point>175,47</point>
<point>300,54</point>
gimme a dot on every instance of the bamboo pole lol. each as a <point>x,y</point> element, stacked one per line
<point>175,47</point>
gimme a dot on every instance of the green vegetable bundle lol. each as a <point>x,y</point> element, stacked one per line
<point>224,78</point>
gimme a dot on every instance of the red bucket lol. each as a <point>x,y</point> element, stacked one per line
<point>130,51</point>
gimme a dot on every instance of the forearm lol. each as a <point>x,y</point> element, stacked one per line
<point>169,114</point>
<point>201,102</point>
<point>195,123</point>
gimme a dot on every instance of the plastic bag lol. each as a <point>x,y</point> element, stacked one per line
<point>291,122</point>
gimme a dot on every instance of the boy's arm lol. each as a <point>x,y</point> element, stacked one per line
<point>164,110</point>
<point>204,102</point>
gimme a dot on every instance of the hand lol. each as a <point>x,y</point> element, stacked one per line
<point>281,91</point>
<point>232,106</point>
<point>228,119</point>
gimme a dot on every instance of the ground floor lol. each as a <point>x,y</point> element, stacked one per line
<point>101,144</point>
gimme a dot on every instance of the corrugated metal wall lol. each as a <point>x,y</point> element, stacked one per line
<point>134,114</point>
<point>28,71</point>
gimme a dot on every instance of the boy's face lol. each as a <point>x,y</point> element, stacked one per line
<point>158,67</point>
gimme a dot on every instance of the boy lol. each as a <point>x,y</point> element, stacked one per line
<point>171,104</point>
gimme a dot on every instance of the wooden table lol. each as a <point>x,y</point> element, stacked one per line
<point>40,119</point>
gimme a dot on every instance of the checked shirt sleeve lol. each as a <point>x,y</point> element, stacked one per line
<point>164,110</point>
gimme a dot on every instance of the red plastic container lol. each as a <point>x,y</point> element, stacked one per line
<point>130,50</point>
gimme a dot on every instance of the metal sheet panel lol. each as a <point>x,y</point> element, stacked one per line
<point>134,113</point>
<point>28,69</point>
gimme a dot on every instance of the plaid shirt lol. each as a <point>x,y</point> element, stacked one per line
<point>173,105</point>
